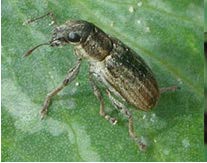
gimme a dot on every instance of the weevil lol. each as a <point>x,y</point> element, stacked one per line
<point>123,73</point>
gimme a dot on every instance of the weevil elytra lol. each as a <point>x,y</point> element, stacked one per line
<point>125,75</point>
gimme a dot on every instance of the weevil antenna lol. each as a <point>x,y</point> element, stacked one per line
<point>50,14</point>
<point>31,50</point>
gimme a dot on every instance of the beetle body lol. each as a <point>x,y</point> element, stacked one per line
<point>114,64</point>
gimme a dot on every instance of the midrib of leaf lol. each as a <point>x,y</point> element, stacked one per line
<point>195,88</point>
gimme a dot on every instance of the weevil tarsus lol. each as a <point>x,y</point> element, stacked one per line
<point>98,94</point>
<point>72,74</point>
<point>50,14</point>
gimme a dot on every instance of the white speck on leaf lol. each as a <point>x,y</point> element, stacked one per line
<point>131,9</point>
<point>144,116</point>
<point>139,4</point>
<point>147,29</point>
<point>186,143</point>
<point>138,21</point>
<point>77,84</point>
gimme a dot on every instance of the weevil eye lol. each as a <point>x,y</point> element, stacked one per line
<point>74,37</point>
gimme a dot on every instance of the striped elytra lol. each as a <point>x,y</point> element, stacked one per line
<point>125,73</point>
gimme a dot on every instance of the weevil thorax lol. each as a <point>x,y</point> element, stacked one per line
<point>90,42</point>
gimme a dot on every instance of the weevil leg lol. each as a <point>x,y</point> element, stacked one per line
<point>166,89</point>
<point>71,75</point>
<point>122,108</point>
<point>99,96</point>
<point>50,14</point>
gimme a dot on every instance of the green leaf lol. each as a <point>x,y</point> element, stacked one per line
<point>205,15</point>
<point>167,34</point>
<point>205,152</point>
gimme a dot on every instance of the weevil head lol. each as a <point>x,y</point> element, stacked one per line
<point>72,32</point>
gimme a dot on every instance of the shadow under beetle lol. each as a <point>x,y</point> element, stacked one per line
<point>125,75</point>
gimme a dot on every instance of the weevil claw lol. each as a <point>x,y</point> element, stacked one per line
<point>113,121</point>
<point>43,113</point>
<point>142,144</point>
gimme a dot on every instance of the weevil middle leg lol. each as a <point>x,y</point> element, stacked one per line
<point>99,96</point>
<point>71,75</point>
<point>122,108</point>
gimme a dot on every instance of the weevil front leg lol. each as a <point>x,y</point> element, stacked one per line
<point>99,96</point>
<point>121,107</point>
<point>71,75</point>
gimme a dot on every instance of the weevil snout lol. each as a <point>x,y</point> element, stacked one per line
<point>59,36</point>
<point>58,42</point>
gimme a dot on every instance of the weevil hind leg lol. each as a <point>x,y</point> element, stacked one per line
<point>166,89</point>
<point>99,96</point>
<point>122,108</point>
<point>71,75</point>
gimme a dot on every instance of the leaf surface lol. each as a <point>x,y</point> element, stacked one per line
<point>167,34</point>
